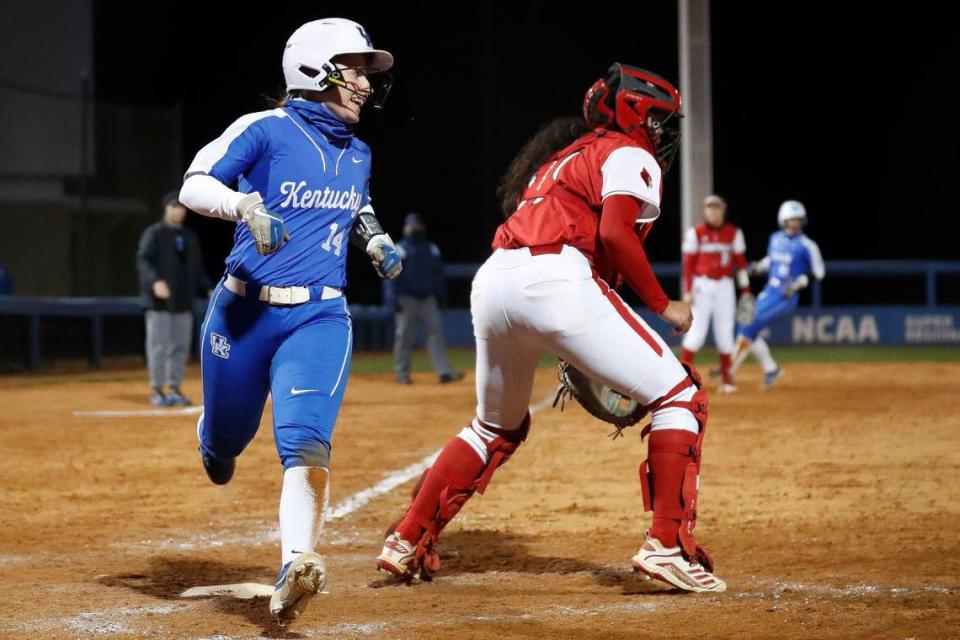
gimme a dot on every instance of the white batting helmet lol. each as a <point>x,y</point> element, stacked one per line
<point>791,210</point>
<point>307,57</point>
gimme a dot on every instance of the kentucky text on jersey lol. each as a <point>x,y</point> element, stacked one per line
<point>312,171</point>
<point>298,196</point>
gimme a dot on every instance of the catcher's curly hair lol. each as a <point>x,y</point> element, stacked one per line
<point>550,138</point>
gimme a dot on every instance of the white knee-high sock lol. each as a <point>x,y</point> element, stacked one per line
<point>740,355</point>
<point>303,501</point>
<point>676,417</point>
<point>761,350</point>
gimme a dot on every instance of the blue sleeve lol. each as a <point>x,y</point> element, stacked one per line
<point>235,151</point>
<point>240,155</point>
<point>361,148</point>
<point>367,199</point>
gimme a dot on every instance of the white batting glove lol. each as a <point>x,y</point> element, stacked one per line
<point>267,228</point>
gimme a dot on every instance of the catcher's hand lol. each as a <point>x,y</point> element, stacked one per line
<point>679,315</point>
<point>267,228</point>
<point>599,400</point>
<point>746,309</point>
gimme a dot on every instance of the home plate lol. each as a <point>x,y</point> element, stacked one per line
<point>243,591</point>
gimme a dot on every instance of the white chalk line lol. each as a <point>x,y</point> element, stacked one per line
<point>397,478</point>
<point>388,484</point>
<point>141,413</point>
<point>115,621</point>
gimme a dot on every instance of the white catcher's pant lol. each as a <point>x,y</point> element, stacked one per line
<point>523,305</point>
<point>716,300</point>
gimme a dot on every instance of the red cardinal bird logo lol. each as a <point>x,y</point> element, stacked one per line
<point>646,178</point>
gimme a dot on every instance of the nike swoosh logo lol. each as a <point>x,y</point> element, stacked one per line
<point>294,391</point>
<point>356,161</point>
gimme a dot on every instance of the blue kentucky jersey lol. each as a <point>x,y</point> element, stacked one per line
<point>792,256</point>
<point>309,168</point>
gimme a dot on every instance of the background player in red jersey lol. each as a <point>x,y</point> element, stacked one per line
<point>580,199</point>
<point>714,252</point>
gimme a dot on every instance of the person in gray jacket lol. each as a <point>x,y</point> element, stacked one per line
<point>415,297</point>
<point>171,278</point>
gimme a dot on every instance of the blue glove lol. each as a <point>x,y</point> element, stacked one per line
<point>385,258</point>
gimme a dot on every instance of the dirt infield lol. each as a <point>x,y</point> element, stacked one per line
<point>831,503</point>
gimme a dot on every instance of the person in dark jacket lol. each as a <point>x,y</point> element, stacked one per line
<point>415,296</point>
<point>171,277</point>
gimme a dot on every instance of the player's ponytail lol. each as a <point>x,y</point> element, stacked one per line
<point>552,137</point>
<point>282,99</point>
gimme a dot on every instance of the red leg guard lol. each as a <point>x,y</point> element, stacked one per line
<point>687,356</point>
<point>670,478</point>
<point>668,459</point>
<point>725,369</point>
<point>457,474</point>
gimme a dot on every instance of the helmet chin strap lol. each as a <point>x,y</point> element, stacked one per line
<point>335,78</point>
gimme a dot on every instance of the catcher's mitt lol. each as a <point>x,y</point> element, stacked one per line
<point>746,309</point>
<point>599,400</point>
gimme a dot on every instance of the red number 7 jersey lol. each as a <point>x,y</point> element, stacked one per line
<point>562,202</point>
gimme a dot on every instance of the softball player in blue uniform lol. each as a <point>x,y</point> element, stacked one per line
<point>278,322</point>
<point>791,255</point>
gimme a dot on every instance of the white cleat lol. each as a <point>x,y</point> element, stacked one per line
<point>301,579</point>
<point>396,556</point>
<point>668,565</point>
<point>726,388</point>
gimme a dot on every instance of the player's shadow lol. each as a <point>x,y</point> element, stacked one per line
<point>481,551</point>
<point>168,577</point>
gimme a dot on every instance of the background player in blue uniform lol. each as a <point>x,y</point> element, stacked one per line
<point>278,322</point>
<point>791,256</point>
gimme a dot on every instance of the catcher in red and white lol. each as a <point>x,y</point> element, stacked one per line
<point>580,199</point>
<point>714,253</point>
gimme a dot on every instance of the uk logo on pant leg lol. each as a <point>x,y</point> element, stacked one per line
<point>219,346</point>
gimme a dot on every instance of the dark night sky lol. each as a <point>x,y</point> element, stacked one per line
<point>852,114</point>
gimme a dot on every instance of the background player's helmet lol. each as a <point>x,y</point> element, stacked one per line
<point>307,59</point>
<point>791,210</point>
<point>625,97</point>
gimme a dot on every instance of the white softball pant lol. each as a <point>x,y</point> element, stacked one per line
<point>712,300</point>
<point>524,304</point>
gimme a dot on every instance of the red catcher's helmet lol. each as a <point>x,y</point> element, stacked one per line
<point>625,97</point>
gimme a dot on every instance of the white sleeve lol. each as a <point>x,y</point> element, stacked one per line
<point>208,196</point>
<point>633,171</point>
<point>816,260</point>
<point>739,244</point>
<point>690,244</point>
